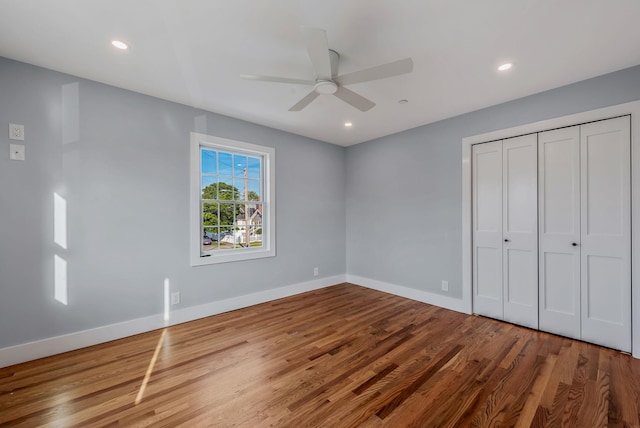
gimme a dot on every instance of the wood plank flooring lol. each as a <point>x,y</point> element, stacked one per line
<point>343,356</point>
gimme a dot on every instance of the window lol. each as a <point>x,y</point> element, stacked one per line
<point>232,200</point>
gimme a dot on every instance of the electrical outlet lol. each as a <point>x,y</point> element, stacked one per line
<point>316,272</point>
<point>445,285</point>
<point>16,132</point>
<point>16,152</point>
<point>175,298</point>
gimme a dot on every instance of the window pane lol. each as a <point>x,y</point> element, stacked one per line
<point>255,225</point>
<point>255,213</point>
<point>227,214</point>
<point>238,184</point>
<point>254,190</point>
<point>240,218</point>
<point>241,234</point>
<point>239,165</point>
<point>225,238</point>
<point>209,239</point>
<point>209,188</point>
<point>254,168</point>
<point>225,189</point>
<point>256,238</point>
<point>210,214</point>
<point>208,161</point>
<point>225,163</point>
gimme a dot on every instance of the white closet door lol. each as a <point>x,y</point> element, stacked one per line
<point>606,233</point>
<point>520,230</point>
<point>487,229</point>
<point>559,214</point>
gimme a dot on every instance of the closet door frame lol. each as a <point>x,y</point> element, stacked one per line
<point>633,110</point>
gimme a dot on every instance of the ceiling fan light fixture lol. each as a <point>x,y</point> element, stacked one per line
<point>506,66</point>
<point>348,124</point>
<point>325,87</point>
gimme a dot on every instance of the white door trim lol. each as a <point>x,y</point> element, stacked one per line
<point>633,109</point>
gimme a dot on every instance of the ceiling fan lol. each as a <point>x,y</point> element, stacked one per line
<point>327,81</point>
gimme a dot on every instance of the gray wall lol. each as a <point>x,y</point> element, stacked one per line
<point>121,162</point>
<point>404,191</point>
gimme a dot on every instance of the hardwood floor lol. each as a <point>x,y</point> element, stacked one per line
<point>338,357</point>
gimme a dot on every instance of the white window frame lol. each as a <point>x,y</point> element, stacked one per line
<point>267,154</point>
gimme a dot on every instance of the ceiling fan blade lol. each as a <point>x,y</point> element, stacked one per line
<point>379,72</point>
<point>353,99</point>
<point>318,49</point>
<point>277,79</point>
<point>305,101</point>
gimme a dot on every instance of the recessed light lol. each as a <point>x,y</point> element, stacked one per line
<point>119,44</point>
<point>348,124</point>
<point>403,101</point>
<point>505,66</point>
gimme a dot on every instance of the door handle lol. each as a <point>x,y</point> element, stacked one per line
<point>506,240</point>
<point>575,244</point>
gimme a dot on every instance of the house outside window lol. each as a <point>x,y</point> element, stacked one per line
<point>232,200</point>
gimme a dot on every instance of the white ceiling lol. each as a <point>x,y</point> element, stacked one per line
<point>193,51</point>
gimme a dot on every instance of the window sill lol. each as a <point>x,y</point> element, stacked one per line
<point>236,255</point>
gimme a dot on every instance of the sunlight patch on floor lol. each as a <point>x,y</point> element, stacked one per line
<point>152,363</point>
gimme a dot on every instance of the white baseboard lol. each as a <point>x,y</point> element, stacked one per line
<point>410,293</point>
<point>68,342</point>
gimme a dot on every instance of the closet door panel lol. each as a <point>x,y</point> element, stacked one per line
<point>487,229</point>
<point>559,222</point>
<point>606,233</point>
<point>520,230</point>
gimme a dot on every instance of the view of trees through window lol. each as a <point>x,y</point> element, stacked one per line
<point>231,201</point>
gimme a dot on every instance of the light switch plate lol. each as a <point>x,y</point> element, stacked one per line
<point>16,132</point>
<point>16,152</point>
